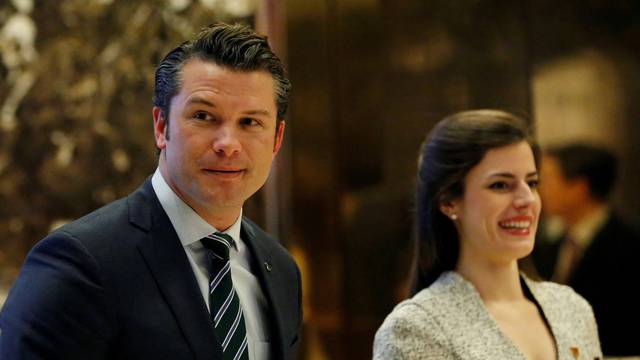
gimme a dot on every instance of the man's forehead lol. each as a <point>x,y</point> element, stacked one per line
<point>197,64</point>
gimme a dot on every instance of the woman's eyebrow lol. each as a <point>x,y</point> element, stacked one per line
<point>510,175</point>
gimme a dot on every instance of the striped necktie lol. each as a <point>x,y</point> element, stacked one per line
<point>224,303</point>
<point>568,259</point>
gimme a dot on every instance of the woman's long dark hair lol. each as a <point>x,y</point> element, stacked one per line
<point>454,146</point>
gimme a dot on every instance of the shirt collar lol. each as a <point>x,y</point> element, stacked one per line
<point>189,226</point>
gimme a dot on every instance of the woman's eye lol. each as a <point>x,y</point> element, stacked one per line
<point>500,185</point>
<point>533,183</point>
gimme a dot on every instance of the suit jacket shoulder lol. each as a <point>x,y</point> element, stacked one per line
<point>62,295</point>
<point>117,284</point>
<point>603,276</point>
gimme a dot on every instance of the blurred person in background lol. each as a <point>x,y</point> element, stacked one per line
<point>174,270</point>
<point>477,208</point>
<point>596,252</point>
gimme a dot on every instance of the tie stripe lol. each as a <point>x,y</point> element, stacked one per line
<point>225,307</point>
<point>241,351</point>
<point>218,278</point>
<point>234,327</point>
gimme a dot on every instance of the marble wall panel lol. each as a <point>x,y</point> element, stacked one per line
<point>76,82</point>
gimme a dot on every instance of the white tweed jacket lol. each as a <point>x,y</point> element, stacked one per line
<point>448,320</point>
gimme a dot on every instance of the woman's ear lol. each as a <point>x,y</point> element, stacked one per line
<point>449,208</point>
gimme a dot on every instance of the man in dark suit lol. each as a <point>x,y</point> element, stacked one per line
<point>596,254</point>
<point>133,280</point>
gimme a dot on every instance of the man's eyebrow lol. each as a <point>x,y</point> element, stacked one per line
<point>200,100</point>
<point>203,101</point>
<point>257,112</point>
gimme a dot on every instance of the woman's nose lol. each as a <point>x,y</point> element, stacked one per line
<point>525,196</point>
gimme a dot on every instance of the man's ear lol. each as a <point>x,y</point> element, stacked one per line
<point>279,138</point>
<point>160,128</point>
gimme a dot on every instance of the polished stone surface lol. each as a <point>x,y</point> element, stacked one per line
<point>75,105</point>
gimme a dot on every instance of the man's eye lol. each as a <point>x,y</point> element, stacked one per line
<point>249,122</point>
<point>201,116</point>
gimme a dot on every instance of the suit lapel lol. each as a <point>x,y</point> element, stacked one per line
<point>168,263</point>
<point>595,256</point>
<point>267,274</point>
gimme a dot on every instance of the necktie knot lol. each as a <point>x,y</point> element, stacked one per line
<point>218,243</point>
<point>568,258</point>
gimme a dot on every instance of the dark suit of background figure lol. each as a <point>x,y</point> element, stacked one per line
<point>607,270</point>
<point>90,309</point>
<point>577,180</point>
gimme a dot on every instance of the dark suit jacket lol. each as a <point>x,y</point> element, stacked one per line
<point>116,284</point>
<point>607,277</point>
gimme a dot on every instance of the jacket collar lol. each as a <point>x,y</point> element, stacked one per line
<point>168,263</point>
<point>269,275</point>
<point>165,257</point>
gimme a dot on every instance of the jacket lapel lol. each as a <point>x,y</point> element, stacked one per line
<point>168,263</point>
<point>267,273</point>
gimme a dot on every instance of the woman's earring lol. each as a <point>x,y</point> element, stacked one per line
<point>454,217</point>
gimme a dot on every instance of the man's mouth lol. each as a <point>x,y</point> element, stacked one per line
<point>224,173</point>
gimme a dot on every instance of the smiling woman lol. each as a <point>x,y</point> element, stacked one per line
<point>477,214</point>
<point>498,211</point>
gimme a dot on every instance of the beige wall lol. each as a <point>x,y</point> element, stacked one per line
<point>579,97</point>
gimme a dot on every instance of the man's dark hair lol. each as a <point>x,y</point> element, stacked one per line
<point>236,47</point>
<point>597,165</point>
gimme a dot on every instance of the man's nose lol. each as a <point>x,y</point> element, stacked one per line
<point>226,141</point>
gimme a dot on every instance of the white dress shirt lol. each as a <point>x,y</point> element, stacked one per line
<point>190,228</point>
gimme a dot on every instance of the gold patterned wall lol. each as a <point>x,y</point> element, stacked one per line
<point>76,82</point>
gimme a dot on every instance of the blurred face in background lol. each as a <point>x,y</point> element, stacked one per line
<point>558,193</point>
